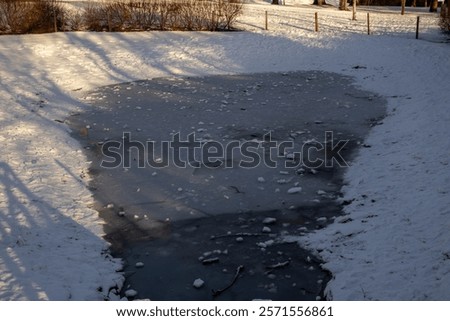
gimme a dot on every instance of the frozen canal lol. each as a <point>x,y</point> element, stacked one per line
<point>252,159</point>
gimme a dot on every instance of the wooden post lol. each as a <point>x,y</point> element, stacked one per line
<point>354,10</point>
<point>403,7</point>
<point>267,21</point>
<point>417,27</point>
<point>368,23</point>
<point>316,20</point>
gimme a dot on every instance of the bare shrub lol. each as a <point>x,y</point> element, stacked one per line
<point>231,10</point>
<point>15,16</point>
<point>74,19</point>
<point>48,16</point>
<point>119,15</point>
<point>189,16</point>
<point>96,17</point>
<point>21,16</point>
<point>144,14</point>
<point>174,8</point>
<point>210,13</point>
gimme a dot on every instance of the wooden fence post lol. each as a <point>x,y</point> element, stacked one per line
<point>368,23</point>
<point>316,20</point>
<point>354,10</point>
<point>417,27</point>
<point>267,21</point>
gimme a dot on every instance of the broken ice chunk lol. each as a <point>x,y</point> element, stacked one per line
<point>294,190</point>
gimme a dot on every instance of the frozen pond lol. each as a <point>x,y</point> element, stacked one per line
<point>243,148</point>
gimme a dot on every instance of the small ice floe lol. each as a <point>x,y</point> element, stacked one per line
<point>269,220</point>
<point>284,172</point>
<point>239,239</point>
<point>266,243</point>
<point>266,229</point>
<point>198,283</point>
<point>300,171</point>
<point>272,288</point>
<point>210,260</point>
<point>321,192</point>
<point>131,293</point>
<point>261,179</point>
<point>321,219</point>
<point>294,190</point>
<point>313,171</point>
<point>139,264</point>
<point>110,206</point>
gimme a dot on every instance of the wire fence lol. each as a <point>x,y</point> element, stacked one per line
<point>416,22</point>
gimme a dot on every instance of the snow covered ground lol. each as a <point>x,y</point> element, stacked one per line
<point>394,242</point>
